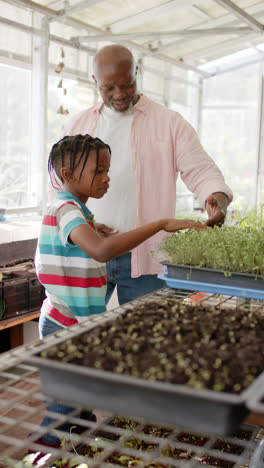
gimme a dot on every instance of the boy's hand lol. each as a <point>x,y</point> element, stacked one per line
<point>105,231</point>
<point>172,225</point>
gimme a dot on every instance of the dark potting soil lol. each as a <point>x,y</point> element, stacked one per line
<point>157,431</point>
<point>122,459</point>
<point>90,451</point>
<point>198,346</point>
<point>167,450</point>
<point>192,439</point>
<point>127,460</point>
<point>217,462</point>
<point>242,434</point>
<point>122,422</point>
<point>224,447</point>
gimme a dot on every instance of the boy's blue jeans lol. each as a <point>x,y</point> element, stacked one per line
<point>128,289</point>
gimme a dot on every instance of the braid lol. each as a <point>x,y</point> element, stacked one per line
<point>72,150</point>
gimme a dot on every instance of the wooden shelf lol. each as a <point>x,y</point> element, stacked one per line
<point>16,326</point>
<point>255,418</point>
<point>13,321</point>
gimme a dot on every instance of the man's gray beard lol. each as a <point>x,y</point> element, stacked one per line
<point>128,110</point>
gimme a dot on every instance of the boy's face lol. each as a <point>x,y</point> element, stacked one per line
<point>93,183</point>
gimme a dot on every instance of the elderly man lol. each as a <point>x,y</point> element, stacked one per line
<point>150,145</point>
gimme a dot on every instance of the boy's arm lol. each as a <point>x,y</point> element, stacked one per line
<point>104,249</point>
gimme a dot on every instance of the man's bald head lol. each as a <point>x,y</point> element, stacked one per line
<point>114,54</point>
<point>115,75</point>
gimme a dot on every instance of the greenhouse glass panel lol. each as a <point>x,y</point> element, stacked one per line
<point>77,99</point>
<point>153,83</point>
<point>230,130</point>
<point>15,134</point>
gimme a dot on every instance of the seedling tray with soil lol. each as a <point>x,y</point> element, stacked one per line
<point>150,445</point>
<point>161,360</point>
<point>225,257</point>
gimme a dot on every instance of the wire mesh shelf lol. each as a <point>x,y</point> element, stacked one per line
<point>114,440</point>
<point>200,408</point>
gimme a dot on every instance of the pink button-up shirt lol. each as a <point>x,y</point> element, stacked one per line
<point>162,145</point>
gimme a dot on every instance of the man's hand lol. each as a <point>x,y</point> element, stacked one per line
<point>216,206</point>
<point>105,231</point>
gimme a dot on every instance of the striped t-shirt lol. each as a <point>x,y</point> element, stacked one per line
<point>75,283</point>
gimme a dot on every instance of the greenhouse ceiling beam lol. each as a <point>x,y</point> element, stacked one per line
<point>77,24</point>
<point>133,45</point>
<point>73,74</point>
<point>146,16</point>
<point>241,14</point>
<point>25,62</point>
<point>159,34</point>
<point>33,6</point>
<point>221,48</point>
<point>170,76</point>
<point>53,15</point>
<point>199,12</point>
<point>52,37</point>
<point>146,52</point>
<point>62,41</point>
<point>78,7</point>
<point>12,58</point>
<point>179,64</point>
<point>19,26</point>
<point>219,70</point>
<point>71,44</point>
<point>214,23</point>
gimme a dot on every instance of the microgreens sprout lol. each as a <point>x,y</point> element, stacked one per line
<point>229,249</point>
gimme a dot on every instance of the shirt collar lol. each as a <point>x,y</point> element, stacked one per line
<point>141,105</point>
<point>64,195</point>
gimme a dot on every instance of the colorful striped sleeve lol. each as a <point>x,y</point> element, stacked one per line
<point>68,216</point>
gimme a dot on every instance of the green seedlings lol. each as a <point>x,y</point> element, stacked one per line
<point>118,458</point>
<point>179,454</point>
<point>229,249</point>
<point>157,431</point>
<point>192,439</point>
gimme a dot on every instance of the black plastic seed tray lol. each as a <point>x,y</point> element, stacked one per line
<point>207,275</point>
<point>167,444</point>
<point>202,410</point>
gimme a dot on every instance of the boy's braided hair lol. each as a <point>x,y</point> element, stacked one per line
<point>71,151</point>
